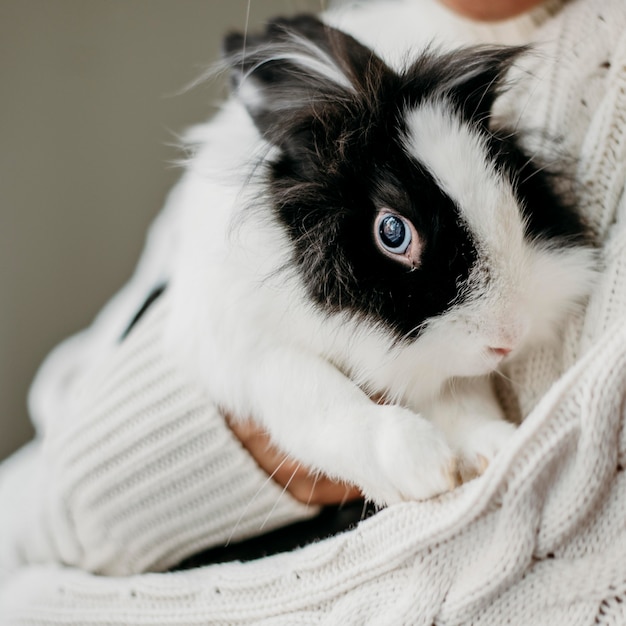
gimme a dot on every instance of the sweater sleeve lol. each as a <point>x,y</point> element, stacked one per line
<point>133,468</point>
<point>139,473</point>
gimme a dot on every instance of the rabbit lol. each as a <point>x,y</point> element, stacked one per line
<point>363,248</point>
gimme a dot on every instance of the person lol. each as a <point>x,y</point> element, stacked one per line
<point>133,470</point>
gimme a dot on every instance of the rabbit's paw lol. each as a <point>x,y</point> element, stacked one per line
<point>412,460</point>
<point>480,445</point>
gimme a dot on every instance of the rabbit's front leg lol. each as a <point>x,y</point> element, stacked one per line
<point>322,419</point>
<point>474,424</point>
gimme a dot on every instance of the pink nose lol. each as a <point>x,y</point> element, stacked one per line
<point>501,351</point>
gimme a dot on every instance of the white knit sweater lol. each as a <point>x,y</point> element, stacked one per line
<point>133,469</point>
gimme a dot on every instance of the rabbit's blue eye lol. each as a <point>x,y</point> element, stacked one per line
<point>394,233</point>
<point>397,238</point>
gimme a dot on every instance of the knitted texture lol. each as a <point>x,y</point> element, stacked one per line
<point>137,436</point>
<point>539,539</point>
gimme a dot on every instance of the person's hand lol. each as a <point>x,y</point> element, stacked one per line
<point>491,10</point>
<point>297,480</point>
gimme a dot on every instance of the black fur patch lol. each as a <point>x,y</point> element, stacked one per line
<point>342,160</point>
<point>549,214</point>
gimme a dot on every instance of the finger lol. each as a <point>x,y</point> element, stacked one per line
<point>304,486</point>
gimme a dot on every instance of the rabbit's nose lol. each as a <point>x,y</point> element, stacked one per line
<point>500,351</point>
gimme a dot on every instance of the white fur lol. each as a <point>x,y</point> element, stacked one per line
<point>411,26</point>
<point>455,154</point>
<point>530,283</point>
<point>261,349</point>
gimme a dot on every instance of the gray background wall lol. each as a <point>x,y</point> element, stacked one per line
<point>87,122</point>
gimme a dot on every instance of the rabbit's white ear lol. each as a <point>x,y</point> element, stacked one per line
<point>291,70</point>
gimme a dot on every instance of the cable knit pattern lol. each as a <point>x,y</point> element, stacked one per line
<point>539,539</point>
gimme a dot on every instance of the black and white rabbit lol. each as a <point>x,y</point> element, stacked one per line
<point>353,231</point>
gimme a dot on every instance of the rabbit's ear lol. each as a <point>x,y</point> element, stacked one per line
<point>293,72</point>
<point>472,79</point>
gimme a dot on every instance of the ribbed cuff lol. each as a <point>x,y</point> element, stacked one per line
<point>143,470</point>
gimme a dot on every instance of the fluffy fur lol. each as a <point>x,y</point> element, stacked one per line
<point>290,309</point>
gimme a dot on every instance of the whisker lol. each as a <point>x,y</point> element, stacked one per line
<point>254,497</point>
<point>537,170</point>
<point>508,379</point>
<point>345,497</point>
<point>530,99</point>
<point>364,510</point>
<point>453,388</point>
<point>245,36</point>
<point>269,515</point>
<point>315,480</point>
